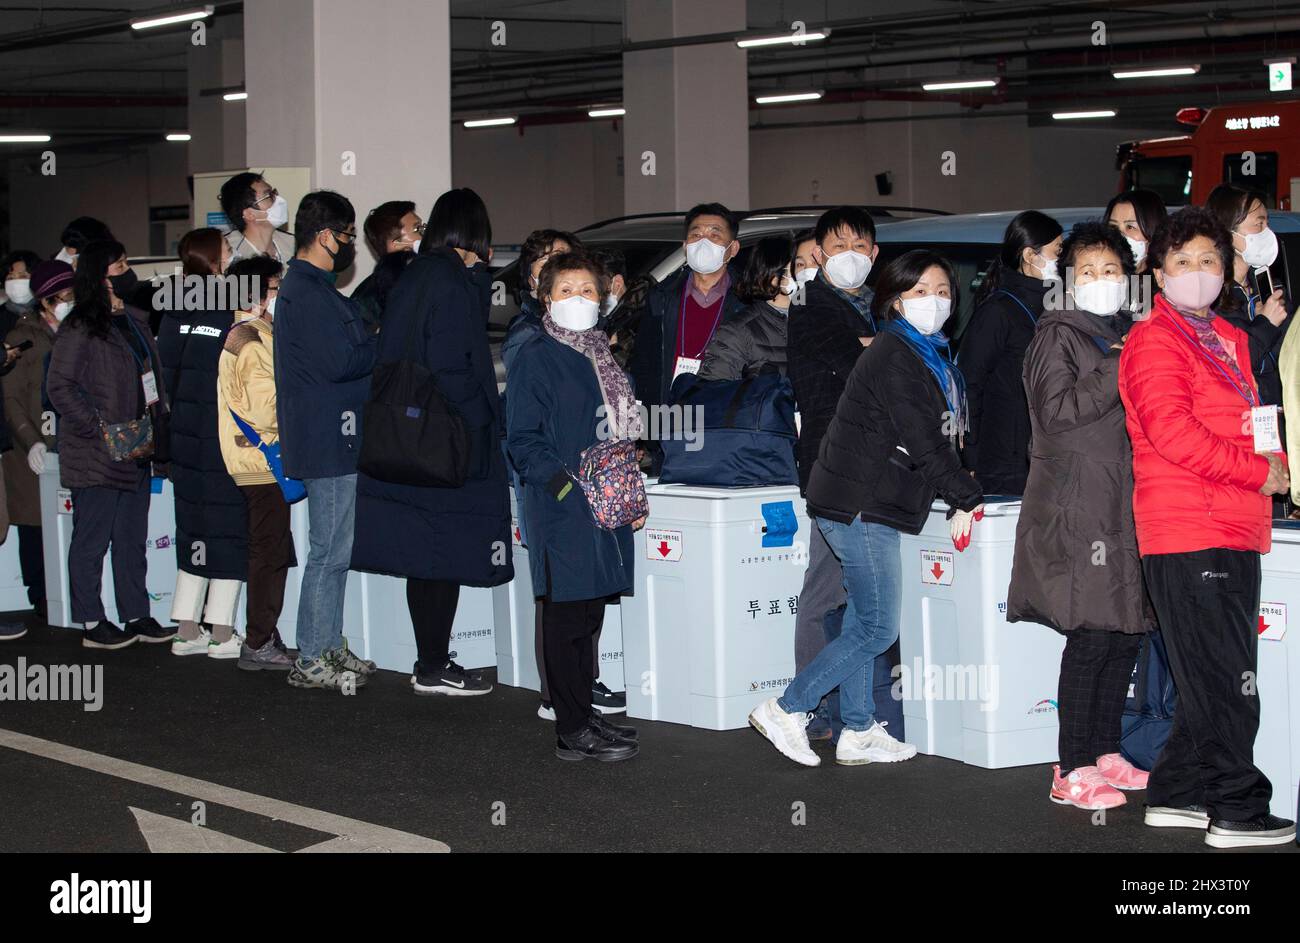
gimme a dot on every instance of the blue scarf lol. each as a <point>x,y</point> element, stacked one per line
<point>934,353</point>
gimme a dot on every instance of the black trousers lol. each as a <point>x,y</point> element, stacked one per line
<point>539,649</point>
<point>31,557</point>
<point>1095,670</point>
<point>433,609</point>
<point>567,632</point>
<point>100,517</point>
<point>270,555</point>
<point>1208,606</point>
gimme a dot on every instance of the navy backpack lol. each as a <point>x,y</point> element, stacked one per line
<point>1149,711</point>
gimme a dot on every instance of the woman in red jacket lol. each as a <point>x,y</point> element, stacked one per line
<point>1203,470</point>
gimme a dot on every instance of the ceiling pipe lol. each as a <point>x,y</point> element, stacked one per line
<point>99,26</point>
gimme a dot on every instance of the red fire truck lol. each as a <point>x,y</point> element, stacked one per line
<point>1255,145</point>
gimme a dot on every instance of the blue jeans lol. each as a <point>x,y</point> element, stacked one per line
<point>869,557</point>
<point>331,507</point>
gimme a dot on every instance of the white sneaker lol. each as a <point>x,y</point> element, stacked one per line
<point>227,649</point>
<point>545,711</point>
<point>786,731</point>
<point>859,747</point>
<point>198,646</point>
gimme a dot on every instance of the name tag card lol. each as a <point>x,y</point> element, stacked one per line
<point>150,384</point>
<point>1263,420</point>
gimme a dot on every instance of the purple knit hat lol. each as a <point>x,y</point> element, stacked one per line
<point>50,278</point>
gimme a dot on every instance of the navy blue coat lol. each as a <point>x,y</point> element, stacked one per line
<point>553,403</point>
<point>437,315</point>
<point>323,361</point>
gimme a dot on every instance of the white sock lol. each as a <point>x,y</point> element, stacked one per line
<point>91,625</point>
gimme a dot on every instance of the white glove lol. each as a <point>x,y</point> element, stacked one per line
<point>36,458</point>
<point>959,526</point>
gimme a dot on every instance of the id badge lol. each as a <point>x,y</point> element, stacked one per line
<point>1263,421</point>
<point>687,365</point>
<point>150,385</point>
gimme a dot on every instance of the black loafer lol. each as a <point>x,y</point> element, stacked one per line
<point>591,743</point>
<point>614,730</point>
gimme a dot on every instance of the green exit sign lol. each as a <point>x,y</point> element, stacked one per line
<point>1279,76</point>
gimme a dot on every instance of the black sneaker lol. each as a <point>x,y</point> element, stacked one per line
<point>606,701</point>
<point>450,679</point>
<point>592,743</point>
<point>616,730</point>
<point>1261,830</point>
<point>149,631</point>
<point>12,630</point>
<point>109,636</point>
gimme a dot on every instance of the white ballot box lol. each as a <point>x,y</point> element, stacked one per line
<point>1277,745</point>
<point>13,594</point>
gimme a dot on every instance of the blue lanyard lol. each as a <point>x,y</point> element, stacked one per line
<point>1248,395</point>
<point>1032,320</point>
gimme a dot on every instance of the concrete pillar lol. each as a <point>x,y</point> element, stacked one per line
<point>217,132</point>
<point>359,93</point>
<point>688,106</point>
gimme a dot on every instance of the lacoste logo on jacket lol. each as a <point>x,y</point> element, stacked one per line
<point>1207,575</point>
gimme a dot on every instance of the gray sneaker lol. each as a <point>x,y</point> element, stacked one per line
<point>267,658</point>
<point>350,662</point>
<point>324,672</point>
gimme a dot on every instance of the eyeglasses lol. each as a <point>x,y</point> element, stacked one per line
<point>351,234</point>
<point>270,195</point>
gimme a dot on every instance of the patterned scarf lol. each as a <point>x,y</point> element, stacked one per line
<point>620,405</point>
<point>1212,342</point>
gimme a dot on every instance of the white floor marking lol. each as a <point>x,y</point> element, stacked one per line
<point>167,835</point>
<point>352,834</point>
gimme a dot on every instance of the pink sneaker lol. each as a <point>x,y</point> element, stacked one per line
<point>1120,773</point>
<point>1084,788</point>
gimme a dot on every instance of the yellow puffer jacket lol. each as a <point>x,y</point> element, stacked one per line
<point>246,384</point>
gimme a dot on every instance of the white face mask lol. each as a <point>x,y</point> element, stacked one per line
<point>848,270</point>
<point>928,313</point>
<point>19,290</point>
<point>804,276</point>
<point>62,310</point>
<point>1261,248</point>
<point>65,256</point>
<point>1139,248</point>
<point>609,304</point>
<point>415,246</point>
<point>270,306</point>
<point>705,257</point>
<point>1048,267</point>
<point>278,214</point>
<point>1102,297</point>
<point>576,313</point>
<point>788,285</point>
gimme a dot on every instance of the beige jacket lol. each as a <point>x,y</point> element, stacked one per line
<point>241,248</point>
<point>246,384</point>
<point>1288,364</point>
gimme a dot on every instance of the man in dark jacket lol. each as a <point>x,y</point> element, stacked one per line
<point>391,229</point>
<point>323,360</point>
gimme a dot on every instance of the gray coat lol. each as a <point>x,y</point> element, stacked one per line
<point>747,342</point>
<point>1076,560</point>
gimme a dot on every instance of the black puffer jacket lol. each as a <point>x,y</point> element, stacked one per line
<point>211,517</point>
<point>749,342</point>
<point>891,400</point>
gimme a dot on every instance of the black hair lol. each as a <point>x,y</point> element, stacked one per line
<point>538,243</point>
<point>1184,226</point>
<point>1147,207</point>
<point>459,220</point>
<point>902,274</point>
<point>570,262</point>
<point>767,261</point>
<point>612,260</point>
<point>262,267</point>
<point>236,196</point>
<point>383,223</point>
<point>855,218</point>
<point>25,256</point>
<point>711,209</point>
<point>1231,204</point>
<point>90,306</point>
<point>1028,230</point>
<point>1095,234</point>
<point>321,210</point>
<point>84,230</point>
<point>798,238</point>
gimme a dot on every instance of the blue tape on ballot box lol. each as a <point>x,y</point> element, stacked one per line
<point>155,485</point>
<point>780,524</point>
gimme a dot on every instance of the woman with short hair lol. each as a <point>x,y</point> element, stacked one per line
<point>753,339</point>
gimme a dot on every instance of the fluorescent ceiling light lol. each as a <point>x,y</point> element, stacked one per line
<point>235,96</point>
<point>489,122</point>
<point>1070,115</point>
<point>1156,73</point>
<point>796,97</point>
<point>179,136</point>
<point>24,138</point>
<point>784,39</point>
<point>961,83</point>
<point>171,19</point>
<point>613,112</point>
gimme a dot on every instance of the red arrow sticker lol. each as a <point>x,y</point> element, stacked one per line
<point>936,567</point>
<point>663,545</point>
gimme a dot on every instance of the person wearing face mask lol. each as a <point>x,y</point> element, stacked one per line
<point>105,371</point>
<point>255,211</point>
<point>566,389</point>
<point>16,270</point>
<point>246,388</point>
<point>1136,214</point>
<point>804,266</point>
<point>753,340</point>
<point>442,538</point>
<point>24,412</point>
<point>614,264</point>
<point>323,359</point>
<point>1203,471</point>
<point>1007,307</point>
<point>537,249</point>
<point>683,312</point>
<point>78,234</point>
<point>1077,504</point>
<point>890,448</point>
<point>393,232</point>
<point>211,524</point>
